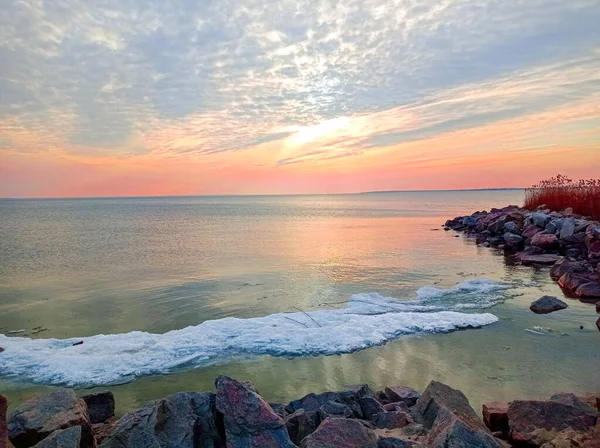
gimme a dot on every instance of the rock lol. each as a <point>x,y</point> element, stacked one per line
<point>405,394</point>
<point>360,390</point>
<point>496,241</point>
<point>3,424</point>
<point>341,433</point>
<point>393,442</point>
<point>370,406</point>
<point>588,291</point>
<point>470,221</point>
<point>598,307</point>
<point>333,409</point>
<point>392,420</point>
<point>511,227</point>
<point>64,438</point>
<point>279,409</point>
<point>554,226</point>
<point>452,420</point>
<point>571,281</point>
<point>101,406</point>
<point>547,304</point>
<point>512,240</point>
<point>598,324</point>
<point>495,416</point>
<point>301,424</point>
<point>543,259</point>
<point>575,401</point>
<point>545,241</point>
<point>562,266</point>
<point>103,430</point>
<point>497,226</point>
<point>530,230</point>
<point>184,419</point>
<point>313,402</point>
<point>568,228</point>
<point>572,252</point>
<point>38,418</point>
<point>540,219</point>
<point>397,406</point>
<point>249,420</point>
<point>533,422</point>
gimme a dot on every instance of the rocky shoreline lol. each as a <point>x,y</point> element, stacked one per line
<point>567,242</point>
<point>236,416</point>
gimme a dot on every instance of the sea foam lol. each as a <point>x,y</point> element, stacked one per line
<point>366,320</point>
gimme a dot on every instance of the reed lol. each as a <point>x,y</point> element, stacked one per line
<point>560,192</point>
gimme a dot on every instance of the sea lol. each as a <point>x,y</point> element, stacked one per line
<point>297,294</point>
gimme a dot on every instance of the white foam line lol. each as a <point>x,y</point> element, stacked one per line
<point>367,320</point>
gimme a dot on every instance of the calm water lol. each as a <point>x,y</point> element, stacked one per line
<point>85,267</point>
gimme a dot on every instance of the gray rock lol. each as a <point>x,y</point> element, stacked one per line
<point>370,406</point>
<point>540,219</point>
<point>249,420</point>
<point>393,442</point>
<point>360,390</point>
<point>568,228</point>
<point>543,259</point>
<point>313,402</point>
<point>573,400</point>
<point>554,226</point>
<point>181,420</point>
<point>572,252</point>
<point>512,240</point>
<point>101,406</point>
<point>405,394</point>
<point>396,406</point>
<point>341,433</point>
<point>333,409</point>
<point>512,227</point>
<point>65,438</point>
<point>470,221</point>
<point>392,420</point>
<point>589,290</point>
<point>547,304</point>
<point>301,424</point>
<point>452,420</point>
<point>562,266</point>
<point>38,418</point>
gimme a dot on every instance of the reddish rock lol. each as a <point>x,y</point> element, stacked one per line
<point>38,418</point>
<point>588,291</point>
<point>392,420</point>
<point>452,420</point>
<point>341,433</point>
<point>398,406</point>
<point>563,265</point>
<point>571,281</point>
<point>545,259</point>
<point>370,406</point>
<point>248,419</point>
<point>103,430</point>
<point>495,416</point>
<point>301,424</point>
<point>530,230</point>
<point>3,427</point>
<point>405,394</point>
<point>531,421</point>
<point>545,241</point>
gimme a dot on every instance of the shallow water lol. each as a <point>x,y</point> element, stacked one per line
<point>112,266</point>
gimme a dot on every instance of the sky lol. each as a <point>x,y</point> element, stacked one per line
<point>184,97</point>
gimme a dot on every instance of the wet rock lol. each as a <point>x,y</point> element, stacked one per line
<point>452,420</point>
<point>392,420</point>
<point>3,423</point>
<point>470,221</point>
<point>588,291</point>
<point>370,406</point>
<point>333,409</point>
<point>301,424</point>
<point>533,422</point>
<point>249,420</point>
<point>405,394</point>
<point>38,418</point>
<point>547,304</point>
<point>563,265</point>
<point>540,219</point>
<point>496,241</point>
<point>495,416</point>
<point>545,241</point>
<point>313,402</point>
<point>341,433</point>
<point>184,419</point>
<point>543,259</point>
<point>64,438</point>
<point>568,228</point>
<point>571,281</point>
<point>101,406</point>
<point>598,307</point>
<point>513,241</point>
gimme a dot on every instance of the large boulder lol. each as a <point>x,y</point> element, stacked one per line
<point>300,424</point>
<point>370,406</point>
<point>530,230</point>
<point>495,416</point>
<point>564,265</point>
<point>513,241</point>
<point>575,401</point>
<point>546,241</point>
<point>313,402</point>
<point>38,418</point>
<point>547,304</point>
<point>570,281</point>
<point>341,433</point>
<point>568,228</point>
<point>588,291</point>
<point>533,423</point>
<point>184,419</point>
<point>405,394</point>
<point>101,406</point>
<point>63,438</point>
<point>452,420</point>
<point>249,420</point>
<point>333,409</point>
<point>392,420</point>
<point>540,219</point>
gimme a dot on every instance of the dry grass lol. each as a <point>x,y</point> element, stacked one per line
<point>560,192</point>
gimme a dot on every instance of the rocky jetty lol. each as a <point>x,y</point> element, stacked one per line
<point>567,242</point>
<point>236,416</point>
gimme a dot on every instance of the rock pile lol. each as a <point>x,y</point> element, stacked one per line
<point>237,416</point>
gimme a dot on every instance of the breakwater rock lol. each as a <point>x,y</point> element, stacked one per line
<point>236,416</point>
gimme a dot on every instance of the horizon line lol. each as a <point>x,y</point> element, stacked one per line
<point>257,195</point>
